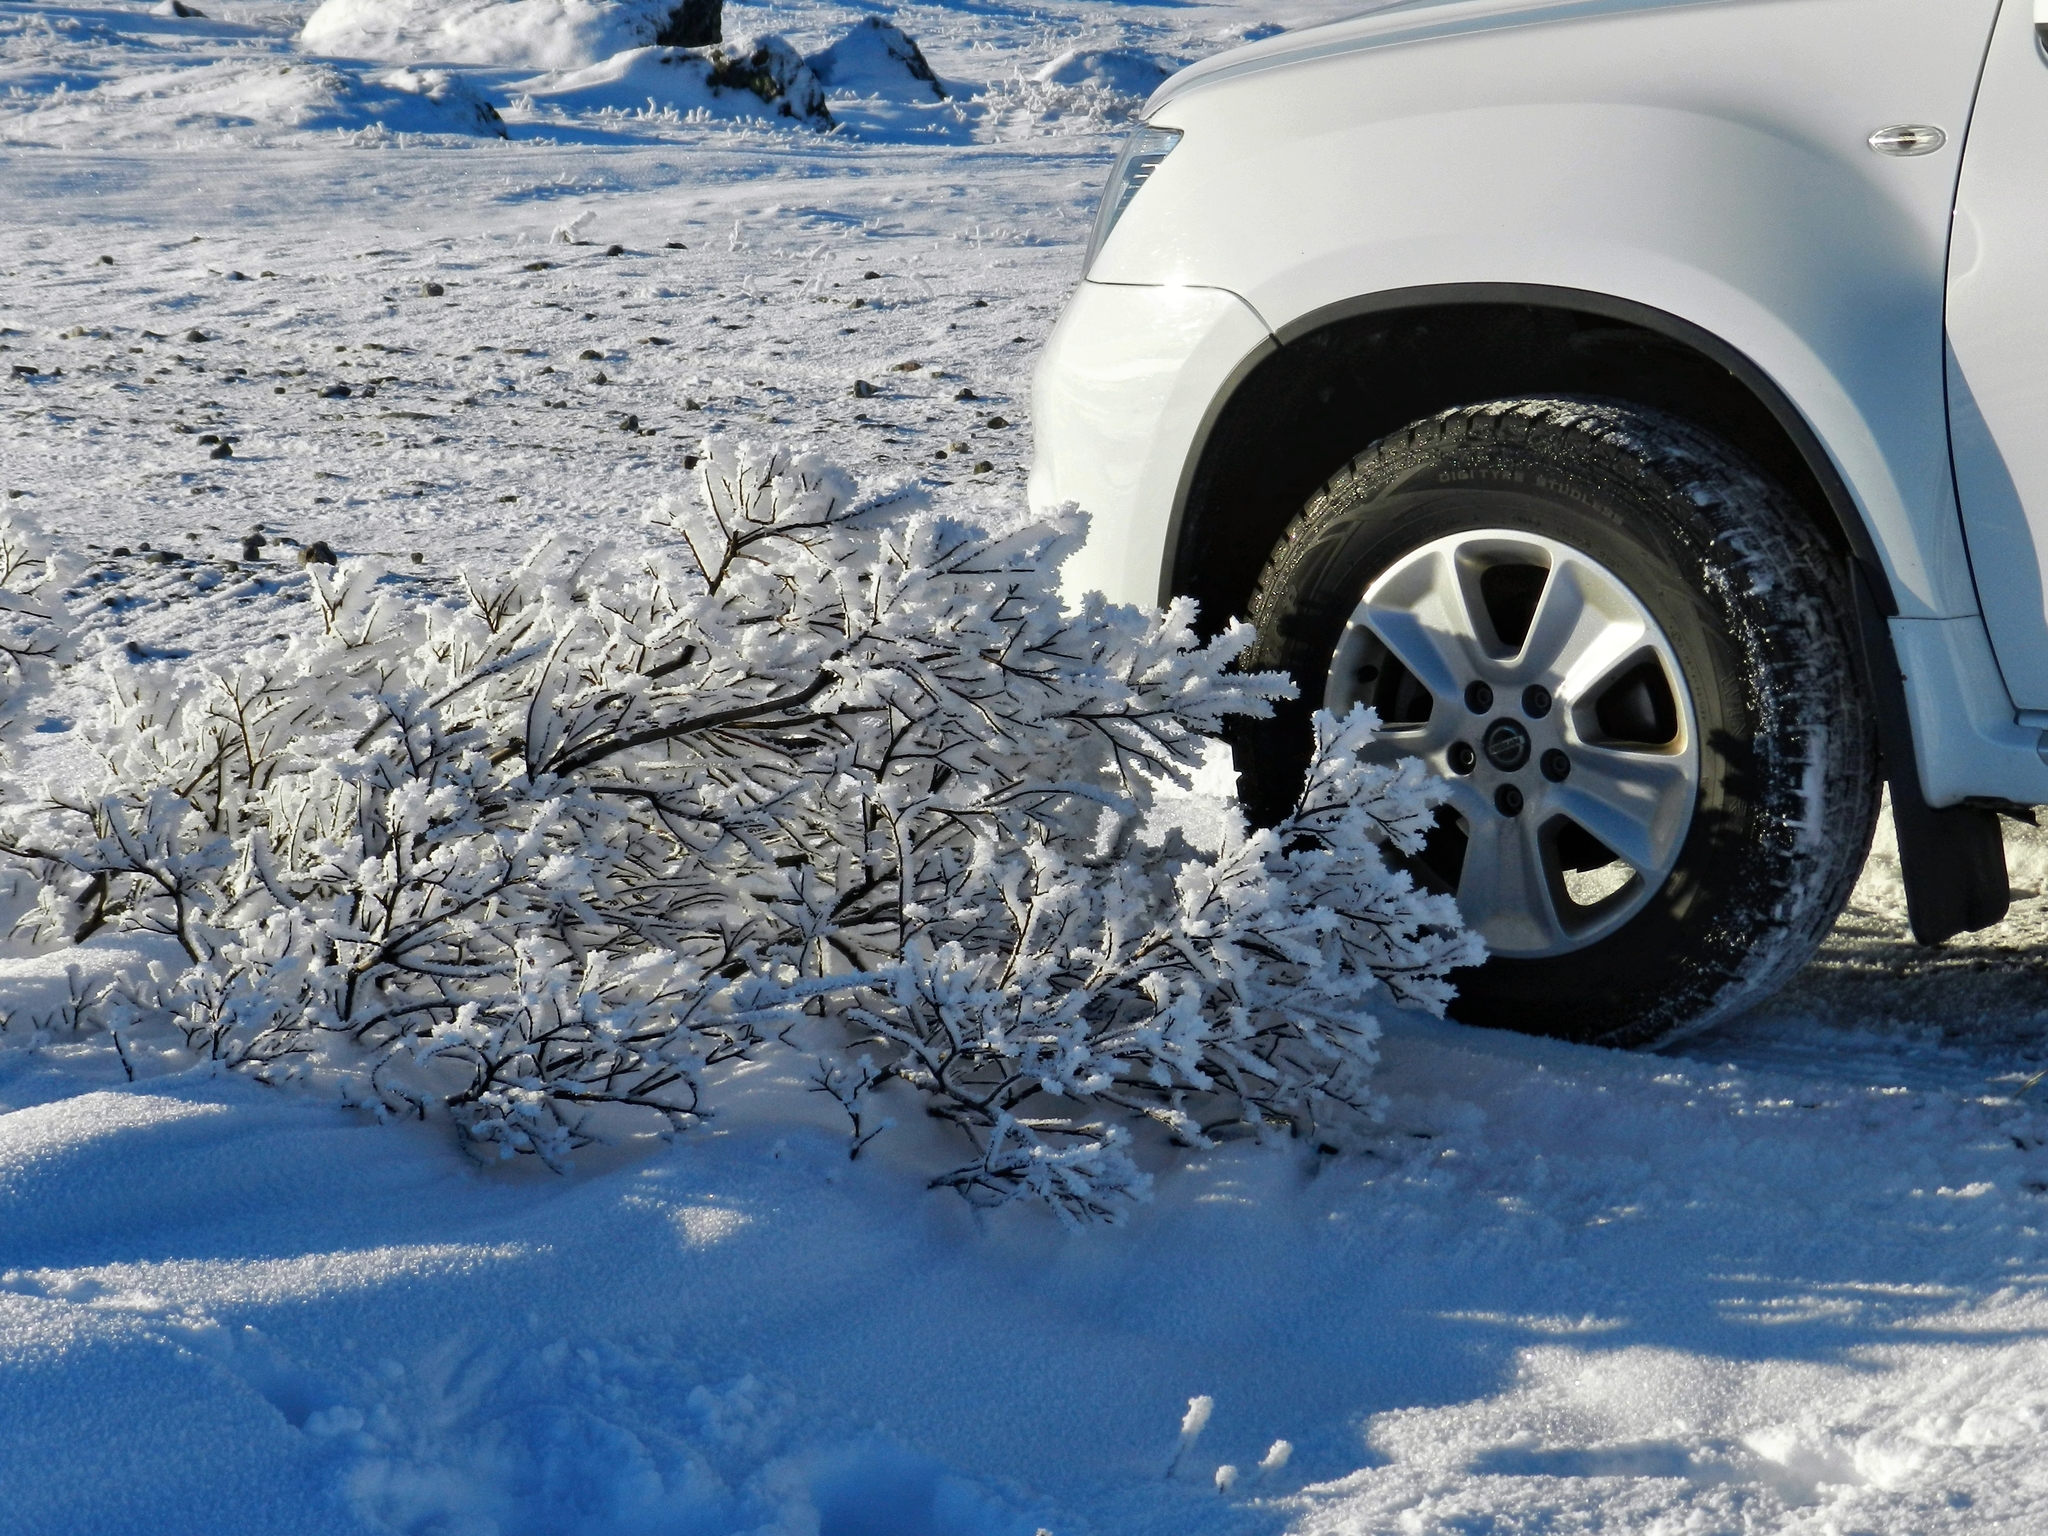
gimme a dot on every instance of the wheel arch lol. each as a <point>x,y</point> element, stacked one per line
<point>1344,375</point>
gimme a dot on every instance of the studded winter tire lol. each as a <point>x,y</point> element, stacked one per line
<point>1629,653</point>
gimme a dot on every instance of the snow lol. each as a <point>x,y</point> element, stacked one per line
<point>1788,1276</point>
<point>1569,1286</point>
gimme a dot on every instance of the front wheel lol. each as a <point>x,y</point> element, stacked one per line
<point>1628,653</point>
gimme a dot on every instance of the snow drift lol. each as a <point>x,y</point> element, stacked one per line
<point>311,96</point>
<point>512,34</point>
<point>418,101</point>
<point>1120,71</point>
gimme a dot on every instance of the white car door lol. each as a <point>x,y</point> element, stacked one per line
<point>1998,348</point>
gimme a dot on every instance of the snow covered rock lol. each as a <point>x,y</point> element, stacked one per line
<point>875,58</point>
<point>176,8</point>
<point>772,70</point>
<point>533,34</point>
<point>751,77</point>
<point>1121,71</point>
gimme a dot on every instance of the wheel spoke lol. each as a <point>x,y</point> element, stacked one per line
<point>1434,734</point>
<point>1471,802</point>
<point>1637,803</point>
<point>1584,627</point>
<point>1503,890</point>
<point>1419,610</point>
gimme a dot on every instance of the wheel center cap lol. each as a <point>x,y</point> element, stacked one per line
<point>1506,744</point>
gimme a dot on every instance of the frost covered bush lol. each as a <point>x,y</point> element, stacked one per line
<point>35,633</point>
<point>801,776</point>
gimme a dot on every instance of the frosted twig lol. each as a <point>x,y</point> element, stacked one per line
<point>1192,1423</point>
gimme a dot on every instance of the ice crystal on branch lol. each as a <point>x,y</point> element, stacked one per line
<point>803,774</point>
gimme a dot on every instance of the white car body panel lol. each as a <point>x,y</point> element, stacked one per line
<point>1998,341</point>
<point>1709,161</point>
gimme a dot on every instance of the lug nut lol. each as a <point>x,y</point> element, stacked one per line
<point>1556,766</point>
<point>1535,701</point>
<point>1508,799</point>
<point>1462,758</point>
<point>1478,698</point>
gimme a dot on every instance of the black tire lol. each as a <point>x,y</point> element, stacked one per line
<point>1756,611</point>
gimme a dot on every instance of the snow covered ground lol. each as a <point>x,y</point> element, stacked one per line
<point>1785,1277</point>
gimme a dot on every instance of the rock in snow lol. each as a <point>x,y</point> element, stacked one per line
<point>694,23</point>
<point>744,78</point>
<point>513,34</point>
<point>875,58</point>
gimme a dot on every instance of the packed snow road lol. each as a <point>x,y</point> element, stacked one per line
<point>1788,1276</point>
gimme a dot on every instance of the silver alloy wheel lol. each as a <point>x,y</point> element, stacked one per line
<point>1544,691</point>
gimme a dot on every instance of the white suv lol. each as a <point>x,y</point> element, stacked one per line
<point>1643,404</point>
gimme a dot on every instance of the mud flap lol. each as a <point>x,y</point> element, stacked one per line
<point>1951,859</point>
